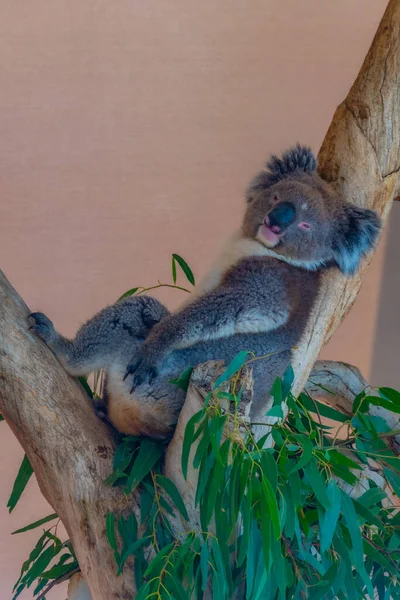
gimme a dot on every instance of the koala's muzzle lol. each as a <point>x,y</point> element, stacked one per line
<point>281,216</point>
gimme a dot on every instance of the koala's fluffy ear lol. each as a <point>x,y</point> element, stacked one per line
<point>355,235</point>
<point>299,158</point>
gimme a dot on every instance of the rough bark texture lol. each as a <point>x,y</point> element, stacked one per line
<point>360,156</point>
<point>71,451</point>
<point>69,448</point>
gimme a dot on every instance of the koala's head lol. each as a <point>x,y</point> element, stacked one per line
<point>296,214</point>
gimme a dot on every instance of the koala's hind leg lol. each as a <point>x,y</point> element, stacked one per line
<point>110,337</point>
<point>152,410</point>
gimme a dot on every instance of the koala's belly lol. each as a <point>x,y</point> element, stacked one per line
<point>137,413</point>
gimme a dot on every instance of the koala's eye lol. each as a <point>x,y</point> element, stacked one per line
<point>304,225</point>
<point>275,198</point>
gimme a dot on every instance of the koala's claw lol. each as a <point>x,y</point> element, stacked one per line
<point>42,326</point>
<point>143,372</point>
<point>132,367</point>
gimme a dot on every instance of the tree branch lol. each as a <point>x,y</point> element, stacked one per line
<point>344,383</point>
<point>69,448</point>
<point>360,157</point>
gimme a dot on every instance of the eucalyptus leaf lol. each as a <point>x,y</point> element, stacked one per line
<point>185,268</point>
<point>20,483</point>
<point>36,523</point>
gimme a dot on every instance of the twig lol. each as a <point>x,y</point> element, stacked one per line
<point>55,582</point>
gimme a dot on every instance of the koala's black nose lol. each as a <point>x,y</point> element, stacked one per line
<point>281,216</point>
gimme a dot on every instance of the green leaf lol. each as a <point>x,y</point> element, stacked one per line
<point>253,555</point>
<point>170,488</point>
<point>287,381</point>
<point>268,494</point>
<point>215,430</point>
<point>188,440</point>
<point>85,385</point>
<point>278,563</point>
<point>314,406</point>
<point>143,592</point>
<point>128,293</point>
<point>295,488</point>
<point>277,392</point>
<point>146,504</point>
<point>131,549</point>
<point>322,588</point>
<point>317,483</point>
<point>350,516</point>
<point>122,456</point>
<point>345,474</point>
<point>214,483</point>
<point>128,529</point>
<point>378,557</point>
<point>331,516</point>
<point>60,569</point>
<point>173,270</point>
<point>367,515</point>
<point>384,403</point>
<point>234,366</point>
<point>394,480</point>
<point>36,523</point>
<point>173,585</point>
<point>23,476</point>
<point>307,447</point>
<point>358,403</point>
<point>110,532</point>
<point>276,411</point>
<point>157,563</point>
<point>204,565</point>
<point>337,458</point>
<point>290,511</point>
<point>390,394</point>
<point>185,268</point>
<point>206,465</point>
<point>246,517</point>
<point>183,380</point>
<point>269,468</point>
<point>202,448</point>
<point>1,417</point>
<point>220,573</point>
<point>371,497</point>
<point>39,566</point>
<point>150,452</point>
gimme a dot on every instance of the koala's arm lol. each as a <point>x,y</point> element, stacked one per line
<point>252,307</point>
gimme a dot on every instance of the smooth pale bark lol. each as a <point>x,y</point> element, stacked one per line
<point>71,451</point>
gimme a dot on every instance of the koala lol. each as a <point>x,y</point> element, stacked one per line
<point>257,297</point>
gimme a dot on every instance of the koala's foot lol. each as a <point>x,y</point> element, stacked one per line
<point>152,312</point>
<point>42,326</point>
<point>144,371</point>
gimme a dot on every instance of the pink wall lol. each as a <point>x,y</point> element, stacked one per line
<point>128,131</point>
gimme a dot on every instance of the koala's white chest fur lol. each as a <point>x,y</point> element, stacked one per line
<point>234,249</point>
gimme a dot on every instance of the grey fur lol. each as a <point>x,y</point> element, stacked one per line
<point>355,237</point>
<point>261,302</point>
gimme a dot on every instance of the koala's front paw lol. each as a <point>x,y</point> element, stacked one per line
<point>143,369</point>
<point>42,326</point>
<point>153,312</point>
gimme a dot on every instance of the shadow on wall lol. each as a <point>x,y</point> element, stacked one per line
<point>385,368</point>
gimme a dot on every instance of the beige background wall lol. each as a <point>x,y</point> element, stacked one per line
<point>128,131</point>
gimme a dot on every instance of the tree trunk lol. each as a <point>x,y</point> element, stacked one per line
<point>71,450</point>
<point>360,157</point>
